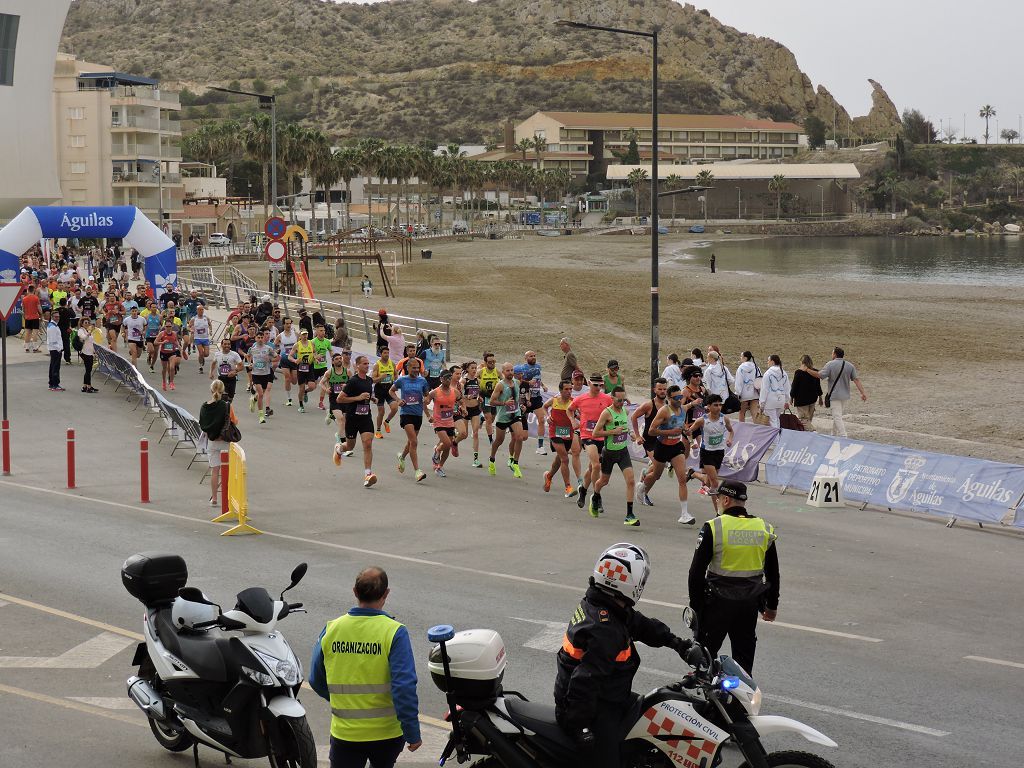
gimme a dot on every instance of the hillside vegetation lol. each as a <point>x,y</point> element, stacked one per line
<point>437,70</point>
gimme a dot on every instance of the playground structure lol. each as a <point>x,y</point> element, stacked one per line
<point>361,245</point>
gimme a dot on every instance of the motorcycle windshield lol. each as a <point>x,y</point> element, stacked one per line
<point>731,669</point>
<point>256,602</point>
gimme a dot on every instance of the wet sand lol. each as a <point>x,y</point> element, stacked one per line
<point>940,363</point>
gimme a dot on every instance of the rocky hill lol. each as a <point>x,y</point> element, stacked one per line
<point>448,69</point>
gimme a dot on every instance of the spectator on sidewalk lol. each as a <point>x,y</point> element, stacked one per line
<point>213,415</point>
<point>806,392</point>
<point>65,318</point>
<point>55,346</point>
<point>87,353</point>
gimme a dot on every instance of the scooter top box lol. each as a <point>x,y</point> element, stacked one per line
<point>477,662</point>
<point>153,577</point>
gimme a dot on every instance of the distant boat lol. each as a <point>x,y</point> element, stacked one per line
<point>697,229</point>
<point>1014,228</point>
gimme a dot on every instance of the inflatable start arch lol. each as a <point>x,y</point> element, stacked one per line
<point>118,222</point>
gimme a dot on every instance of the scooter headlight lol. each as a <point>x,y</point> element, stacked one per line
<point>260,678</point>
<point>287,672</point>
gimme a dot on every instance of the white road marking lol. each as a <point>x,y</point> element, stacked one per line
<point>1000,662</point>
<point>548,639</point>
<point>87,655</point>
<point>407,558</point>
<point>823,708</point>
<point>108,702</point>
<point>3,603</point>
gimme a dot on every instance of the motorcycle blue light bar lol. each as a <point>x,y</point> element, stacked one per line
<point>728,683</point>
<point>442,633</point>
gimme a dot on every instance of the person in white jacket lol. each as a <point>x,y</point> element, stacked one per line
<point>717,378</point>
<point>673,373</point>
<point>747,375</point>
<point>774,394</point>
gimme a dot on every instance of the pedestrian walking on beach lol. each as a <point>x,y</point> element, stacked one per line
<point>774,395</point>
<point>839,372</point>
<point>712,263</point>
<point>806,393</point>
<point>55,346</point>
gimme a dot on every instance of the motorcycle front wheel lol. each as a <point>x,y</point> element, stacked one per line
<point>794,759</point>
<point>171,739</point>
<point>295,747</point>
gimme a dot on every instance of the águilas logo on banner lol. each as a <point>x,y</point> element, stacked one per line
<point>904,478</point>
<point>93,220</point>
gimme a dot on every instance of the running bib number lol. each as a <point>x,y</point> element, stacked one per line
<point>715,440</point>
<point>562,432</point>
<point>534,392</point>
<point>304,367</point>
<point>259,365</point>
<point>473,392</point>
<point>387,379</point>
<point>620,439</point>
<point>434,372</point>
<point>115,319</point>
<point>413,398</point>
<point>224,369</point>
<point>446,413</point>
<point>591,423</point>
<point>168,346</point>
<point>337,388</point>
<point>134,334</point>
<point>363,408</point>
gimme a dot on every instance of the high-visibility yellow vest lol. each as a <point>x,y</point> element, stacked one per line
<point>356,651</point>
<point>740,545</point>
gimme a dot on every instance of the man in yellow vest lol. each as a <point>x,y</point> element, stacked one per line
<point>363,665</point>
<point>734,576</point>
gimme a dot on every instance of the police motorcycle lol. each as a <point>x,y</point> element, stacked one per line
<point>683,724</point>
<point>225,679</point>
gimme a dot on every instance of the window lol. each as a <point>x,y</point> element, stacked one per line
<point>78,168</point>
<point>76,141</point>
<point>8,42</point>
<point>76,113</point>
<point>711,136</point>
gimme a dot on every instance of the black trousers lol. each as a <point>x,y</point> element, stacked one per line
<point>229,387</point>
<point>87,360</point>
<point>610,724</point>
<point>355,754</point>
<point>55,367</point>
<point>735,618</point>
<point>65,335</point>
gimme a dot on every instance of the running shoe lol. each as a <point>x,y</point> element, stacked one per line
<point>252,404</point>
<point>641,493</point>
<point>592,509</point>
<point>150,367</point>
<point>401,463</point>
<point>581,502</point>
<point>632,520</point>
<point>420,475</point>
<point>490,469</point>
<point>435,459</point>
<point>328,417</point>
<point>171,386</point>
<point>689,473</point>
<point>163,386</point>
<point>600,504</point>
<point>378,435</point>
<point>455,450</point>
<point>547,482</point>
<point>516,471</point>
<point>509,462</point>
<point>542,451</point>
<point>269,411</point>
<point>263,419</point>
<point>687,519</point>
<point>671,472</point>
<point>57,389</point>
<point>200,370</point>
<point>336,455</point>
<point>439,472</point>
<point>369,480</point>
<point>569,491</point>
<point>320,405</point>
<point>476,464</point>
<point>387,427</point>
<point>703,490</point>
<point>346,454</point>
<point>301,409</point>
<point>288,403</point>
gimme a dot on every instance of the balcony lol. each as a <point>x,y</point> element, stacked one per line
<point>133,122</point>
<point>147,151</point>
<point>146,178</point>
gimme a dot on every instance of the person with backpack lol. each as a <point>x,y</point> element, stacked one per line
<point>214,415</point>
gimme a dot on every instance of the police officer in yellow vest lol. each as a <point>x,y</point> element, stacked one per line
<point>734,576</point>
<point>363,665</point>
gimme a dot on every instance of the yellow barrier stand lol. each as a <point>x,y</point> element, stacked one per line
<point>238,502</point>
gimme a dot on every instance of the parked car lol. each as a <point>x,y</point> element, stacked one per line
<point>219,238</point>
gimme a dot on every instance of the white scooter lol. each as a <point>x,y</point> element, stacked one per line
<point>226,679</point>
<point>684,724</point>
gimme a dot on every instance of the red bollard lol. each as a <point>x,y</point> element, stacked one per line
<point>71,458</point>
<point>144,469</point>
<point>7,446</point>
<point>223,482</point>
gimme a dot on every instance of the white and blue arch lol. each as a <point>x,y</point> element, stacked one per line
<point>111,222</point>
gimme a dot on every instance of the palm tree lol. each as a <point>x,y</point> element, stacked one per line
<point>256,142</point>
<point>455,171</point>
<point>778,185</point>
<point>705,179</point>
<point>540,144</point>
<point>369,156</point>
<point>323,173</point>
<point>346,164</point>
<point>888,185</point>
<point>636,179</point>
<point>388,162</point>
<point>522,147</point>
<point>673,182</point>
<point>405,169</point>
<point>1016,177</point>
<point>987,112</point>
<point>424,168</point>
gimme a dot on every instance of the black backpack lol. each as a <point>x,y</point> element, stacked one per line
<point>77,343</point>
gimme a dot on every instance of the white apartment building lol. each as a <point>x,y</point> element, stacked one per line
<point>118,139</point>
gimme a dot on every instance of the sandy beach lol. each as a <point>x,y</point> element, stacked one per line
<point>940,363</point>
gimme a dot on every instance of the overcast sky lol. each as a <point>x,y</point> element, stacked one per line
<point>944,57</point>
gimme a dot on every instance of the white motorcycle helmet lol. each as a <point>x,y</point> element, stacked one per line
<point>186,614</point>
<point>623,568</point>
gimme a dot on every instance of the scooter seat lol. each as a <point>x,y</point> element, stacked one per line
<point>539,718</point>
<point>203,653</point>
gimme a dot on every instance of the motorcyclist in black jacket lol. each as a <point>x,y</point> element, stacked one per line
<point>597,662</point>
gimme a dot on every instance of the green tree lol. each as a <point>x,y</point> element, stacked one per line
<point>1009,135</point>
<point>888,185</point>
<point>256,142</point>
<point>454,160</point>
<point>815,128</point>
<point>368,151</point>
<point>706,179</point>
<point>1016,177</point>
<point>917,128</point>
<point>987,112</point>
<point>636,179</point>
<point>632,156</point>
<point>672,183</point>
<point>778,185</point>
<point>346,162</point>
<point>323,172</point>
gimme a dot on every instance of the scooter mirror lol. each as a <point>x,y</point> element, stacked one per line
<point>690,618</point>
<point>297,574</point>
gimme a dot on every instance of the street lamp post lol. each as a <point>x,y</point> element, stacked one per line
<point>821,188</point>
<point>267,101</point>
<point>739,203</point>
<point>653,37</point>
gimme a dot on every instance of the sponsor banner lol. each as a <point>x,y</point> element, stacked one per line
<point>749,444</point>
<point>85,221</point>
<point>899,478</point>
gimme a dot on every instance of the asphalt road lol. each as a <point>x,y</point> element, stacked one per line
<point>897,637</point>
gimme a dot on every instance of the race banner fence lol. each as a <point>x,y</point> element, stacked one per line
<point>900,478</point>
